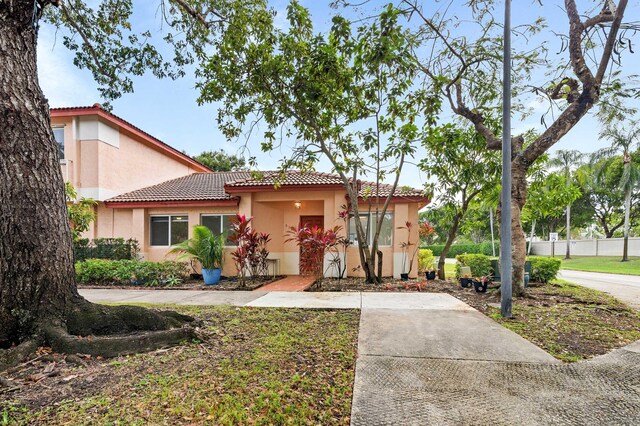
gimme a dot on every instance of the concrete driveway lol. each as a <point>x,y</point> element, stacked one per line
<point>623,287</point>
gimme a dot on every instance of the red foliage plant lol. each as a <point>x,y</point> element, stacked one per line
<point>250,255</point>
<point>314,242</point>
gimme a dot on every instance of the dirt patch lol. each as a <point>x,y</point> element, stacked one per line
<point>225,284</point>
<point>252,366</point>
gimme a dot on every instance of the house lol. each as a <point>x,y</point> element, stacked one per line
<point>149,191</point>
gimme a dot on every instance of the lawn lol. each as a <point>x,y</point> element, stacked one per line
<point>253,366</point>
<point>571,322</point>
<point>609,264</point>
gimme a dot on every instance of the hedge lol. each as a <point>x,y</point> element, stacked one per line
<point>130,272</point>
<point>544,269</point>
<point>456,249</point>
<point>106,248</point>
<point>480,264</point>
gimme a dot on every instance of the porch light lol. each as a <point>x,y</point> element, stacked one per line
<point>297,204</point>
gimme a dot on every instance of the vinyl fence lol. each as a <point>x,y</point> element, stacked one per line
<point>596,247</point>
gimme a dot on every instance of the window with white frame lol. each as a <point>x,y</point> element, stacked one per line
<point>219,224</point>
<point>168,230</point>
<point>58,135</point>
<point>368,221</point>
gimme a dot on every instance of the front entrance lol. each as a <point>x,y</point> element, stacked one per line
<point>310,221</point>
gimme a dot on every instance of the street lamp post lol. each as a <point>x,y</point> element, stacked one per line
<point>505,196</point>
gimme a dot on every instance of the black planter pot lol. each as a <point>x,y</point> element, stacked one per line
<point>404,277</point>
<point>465,282</point>
<point>479,286</point>
<point>431,275</point>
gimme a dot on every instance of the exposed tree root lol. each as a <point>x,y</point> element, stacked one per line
<point>13,356</point>
<point>116,330</point>
<point>107,331</point>
<point>91,319</point>
<point>110,346</point>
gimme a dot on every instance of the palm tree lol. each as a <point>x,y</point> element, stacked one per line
<point>565,158</point>
<point>622,142</point>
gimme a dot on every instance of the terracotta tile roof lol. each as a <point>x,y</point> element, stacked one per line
<point>211,186</point>
<point>197,186</point>
<point>293,177</point>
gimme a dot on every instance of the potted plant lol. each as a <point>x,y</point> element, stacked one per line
<point>426,261</point>
<point>409,251</point>
<point>206,248</point>
<point>480,284</point>
<point>465,276</point>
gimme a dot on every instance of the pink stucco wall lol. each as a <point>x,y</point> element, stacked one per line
<point>102,170</point>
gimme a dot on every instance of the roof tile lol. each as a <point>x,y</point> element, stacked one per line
<point>211,186</point>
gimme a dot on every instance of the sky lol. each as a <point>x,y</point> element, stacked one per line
<point>168,110</point>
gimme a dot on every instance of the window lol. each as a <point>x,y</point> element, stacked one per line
<point>218,224</point>
<point>386,232</point>
<point>58,135</point>
<point>168,230</point>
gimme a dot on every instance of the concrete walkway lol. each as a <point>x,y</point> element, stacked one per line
<point>428,358</point>
<point>290,283</point>
<point>623,287</point>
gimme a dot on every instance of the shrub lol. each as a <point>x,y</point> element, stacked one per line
<point>456,249</point>
<point>106,248</point>
<point>426,259</point>
<point>480,264</point>
<point>250,255</point>
<point>127,272</point>
<point>314,243</point>
<point>544,269</point>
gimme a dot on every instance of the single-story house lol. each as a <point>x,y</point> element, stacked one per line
<point>151,192</point>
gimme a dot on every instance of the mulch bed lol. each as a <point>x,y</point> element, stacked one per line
<point>225,284</point>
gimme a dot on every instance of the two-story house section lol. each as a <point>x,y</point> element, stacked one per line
<point>103,156</point>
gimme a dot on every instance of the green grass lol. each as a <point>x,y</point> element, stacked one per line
<point>608,264</point>
<point>254,366</point>
<point>572,322</point>
<point>450,270</point>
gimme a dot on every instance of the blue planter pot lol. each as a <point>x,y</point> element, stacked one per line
<point>211,276</point>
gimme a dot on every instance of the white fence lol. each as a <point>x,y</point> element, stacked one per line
<point>597,247</point>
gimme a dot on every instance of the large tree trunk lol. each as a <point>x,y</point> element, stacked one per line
<point>38,296</point>
<point>36,259</point>
<point>518,237</point>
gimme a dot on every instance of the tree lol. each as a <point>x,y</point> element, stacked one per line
<point>220,161</point>
<point>462,169</point>
<point>599,185</point>
<point>466,68</point>
<point>548,194</point>
<point>348,97</point>
<point>39,301</point>
<point>81,211</point>
<point>566,159</point>
<point>622,141</point>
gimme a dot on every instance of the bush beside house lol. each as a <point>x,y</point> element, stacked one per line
<point>128,272</point>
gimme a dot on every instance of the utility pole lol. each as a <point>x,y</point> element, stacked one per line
<point>506,272</point>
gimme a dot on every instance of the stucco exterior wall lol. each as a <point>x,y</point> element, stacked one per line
<point>102,162</point>
<point>272,213</point>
